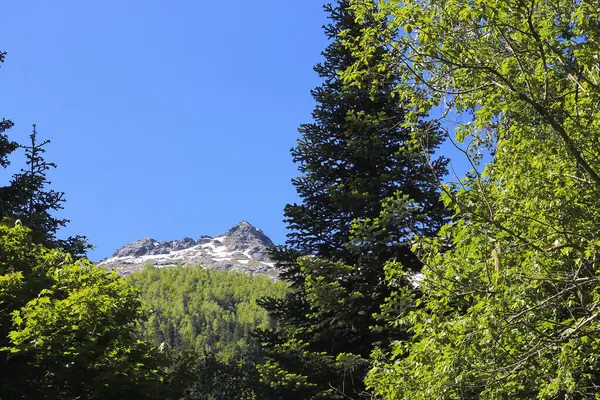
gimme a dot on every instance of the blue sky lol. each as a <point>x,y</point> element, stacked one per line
<point>167,118</point>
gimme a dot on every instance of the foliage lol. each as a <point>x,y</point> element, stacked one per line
<point>205,317</point>
<point>207,378</point>
<point>352,157</point>
<point>534,62</point>
<point>510,294</point>
<point>204,310</point>
<point>67,328</point>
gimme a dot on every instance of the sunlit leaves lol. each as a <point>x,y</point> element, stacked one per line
<point>510,305</point>
<point>68,328</point>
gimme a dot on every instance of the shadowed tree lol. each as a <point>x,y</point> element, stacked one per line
<point>366,187</point>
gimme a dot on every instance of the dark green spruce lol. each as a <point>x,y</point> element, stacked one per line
<point>28,198</point>
<point>366,189</point>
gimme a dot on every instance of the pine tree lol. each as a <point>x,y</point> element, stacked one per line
<point>367,188</point>
<point>29,199</point>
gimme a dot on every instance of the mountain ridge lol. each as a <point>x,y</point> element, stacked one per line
<point>243,248</point>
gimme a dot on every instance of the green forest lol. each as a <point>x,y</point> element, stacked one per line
<point>204,311</point>
<point>399,278</point>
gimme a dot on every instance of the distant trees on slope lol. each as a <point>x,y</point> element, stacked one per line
<point>205,319</point>
<point>205,311</point>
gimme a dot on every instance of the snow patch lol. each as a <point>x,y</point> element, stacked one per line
<point>210,253</point>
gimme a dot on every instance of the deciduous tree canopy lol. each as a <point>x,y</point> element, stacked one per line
<point>510,289</point>
<point>67,328</point>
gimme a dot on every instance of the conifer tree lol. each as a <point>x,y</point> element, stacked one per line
<point>366,187</point>
<point>27,196</point>
<point>29,199</point>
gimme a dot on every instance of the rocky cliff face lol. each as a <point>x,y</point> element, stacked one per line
<point>242,249</point>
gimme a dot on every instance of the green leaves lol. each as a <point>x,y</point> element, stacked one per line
<point>68,328</point>
<point>510,288</point>
<point>200,310</point>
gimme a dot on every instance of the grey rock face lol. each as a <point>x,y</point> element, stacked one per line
<point>137,248</point>
<point>243,236</point>
<point>186,243</point>
<point>242,249</point>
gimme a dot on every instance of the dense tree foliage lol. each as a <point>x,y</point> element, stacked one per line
<point>352,157</point>
<point>204,377</point>
<point>203,310</point>
<point>67,328</point>
<point>510,305</point>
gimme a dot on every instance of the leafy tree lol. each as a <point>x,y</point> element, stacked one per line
<point>353,156</point>
<point>536,62</point>
<point>510,290</point>
<point>68,328</point>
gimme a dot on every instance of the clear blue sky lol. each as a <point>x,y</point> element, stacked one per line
<point>167,118</point>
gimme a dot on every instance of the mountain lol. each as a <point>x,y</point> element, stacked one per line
<point>242,249</point>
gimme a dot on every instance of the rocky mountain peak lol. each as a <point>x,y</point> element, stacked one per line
<point>245,235</point>
<point>242,248</point>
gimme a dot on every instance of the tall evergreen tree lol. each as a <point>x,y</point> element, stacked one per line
<point>29,199</point>
<point>367,187</point>
<point>27,196</point>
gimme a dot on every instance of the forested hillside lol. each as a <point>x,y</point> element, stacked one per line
<point>205,311</point>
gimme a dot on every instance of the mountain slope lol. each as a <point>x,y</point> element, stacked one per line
<point>203,310</point>
<point>241,249</point>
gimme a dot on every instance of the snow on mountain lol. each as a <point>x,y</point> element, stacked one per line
<point>242,249</point>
